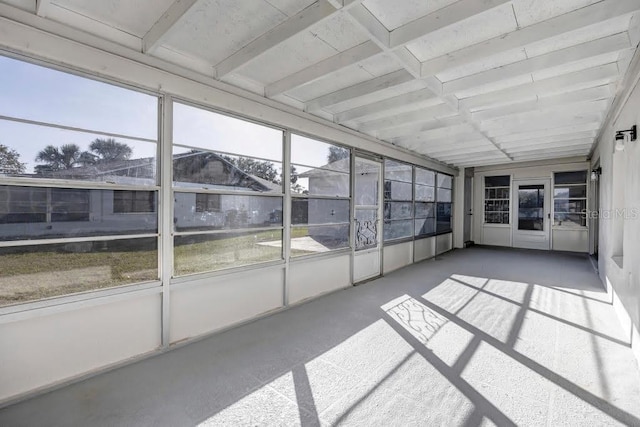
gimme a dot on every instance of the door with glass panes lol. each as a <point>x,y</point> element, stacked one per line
<point>531,217</point>
<point>367,255</point>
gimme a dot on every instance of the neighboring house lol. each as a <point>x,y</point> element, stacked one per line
<point>39,212</point>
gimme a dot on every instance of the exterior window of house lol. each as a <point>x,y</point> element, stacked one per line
<point>320,196</point>
<point>443,206</point>
<point>497,190</point>
<point>207,202</point>
<point>126,201</point>
<point>570,199</point>
<point>228,191</point>
<point>46,226</point>
<point>398,200</point>
<point>425,197</point>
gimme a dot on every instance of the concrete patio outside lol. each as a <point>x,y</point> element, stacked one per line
<point>481,336</point>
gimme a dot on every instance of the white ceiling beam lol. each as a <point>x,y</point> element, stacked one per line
<point>562,100</point>
<point>449,15</point>
<point>564,130</point>
<point>481,146</point>
<point>592,118</point>
<point>549,28</point>
<point>560,113</point>
<point>153,38</point>
<point>550,139</point>
<point>460,132</point>
<point>572,143</point>
<point>493,153</point>
<point>337,62</point>
<point>401,101</point>
<point>421,115</point>
<point>367,87</point>
<point>593,48</point>
<point>602,74</point>
<point>42,7</point>
<point>483,162</point>
<point>302,21</point>
<point>552,155</point>
<point>463,141</point>
<point>417,127</point>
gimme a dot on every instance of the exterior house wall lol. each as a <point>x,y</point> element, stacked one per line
<point>619,224</point>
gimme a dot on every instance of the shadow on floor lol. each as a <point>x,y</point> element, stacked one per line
<point>481,335</point>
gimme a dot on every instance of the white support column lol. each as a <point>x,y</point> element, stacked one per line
<point>286,214</point>
<point>165,208</point>
<point>458,209</point>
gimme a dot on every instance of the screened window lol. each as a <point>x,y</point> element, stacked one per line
<point>570,199</point>
<point>73,234</point>
<point>320,189</point>
<point>425,197</point>
<point>497,190</point>
<point>443,207</point>
<point>228,194</point>
<point>398,200</point>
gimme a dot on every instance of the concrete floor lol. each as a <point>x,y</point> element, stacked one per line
<point>479,336</point>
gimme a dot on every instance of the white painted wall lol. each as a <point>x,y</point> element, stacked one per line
<point>44,350</point>
<point>424,249</point>
<point>205,305</point>
<point>316,276</point>
<point>562,239</point>
<point>619,251</point>
<point>397,256</point>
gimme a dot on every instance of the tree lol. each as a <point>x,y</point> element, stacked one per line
<point>262,169</point>
<point>65,157</point>
<point>337,153</point>
<point>10,163</point>
<point>107,150</point>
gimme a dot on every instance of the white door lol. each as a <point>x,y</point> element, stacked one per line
<point>367,252</point>
<point>531,214</point>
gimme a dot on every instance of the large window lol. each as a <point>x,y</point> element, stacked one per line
<point>570,199</point>
<point>443,208</point>
<point>425,197</point>
<point>496,199</point>
<point>398,200</point>
<point>228,191</point>
<point>61,135</point>
<point>320,196</point>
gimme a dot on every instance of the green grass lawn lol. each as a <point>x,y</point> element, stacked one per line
<point>48,273</point>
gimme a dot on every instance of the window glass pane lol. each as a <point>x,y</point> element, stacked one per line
<point>425,210</point>
<point>444,195</point>
<point>531,207</point>
<point>398,229</point>
<point>570,219</point>
<point>198,128</point>
<point>398,210</point>
<point>41,271</point>
<point>444,181</point>
<point>233,211</point>
<point>570,205</point>
<point>73,101</point>
<point>318,239</point>
<point>202,169</point>
<point>73,213</point>
<point>497,181</point>
<point>317,154</point>
<point>575,191</point>
<point>45,152</point>
<point>396,190</point>
<point>209,252</point>
<point>397,171</point>
<point>366,183</point>
<point>319,182</point>
<point>425,177</point>
<point>578,177</point>
<point>425,194</point>
<point>319,168</point>
<point>425,226</point>
<point>319,211</point>
<point>443,217</point>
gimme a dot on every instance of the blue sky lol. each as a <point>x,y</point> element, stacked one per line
<point>37,93</point>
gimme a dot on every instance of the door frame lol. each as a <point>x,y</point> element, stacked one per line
<point>530,239</point>
<point>355,254</point>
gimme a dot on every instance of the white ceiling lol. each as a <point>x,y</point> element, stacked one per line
<point>467,82</point>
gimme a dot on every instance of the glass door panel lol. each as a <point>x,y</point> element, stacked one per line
<point>367,195</point>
